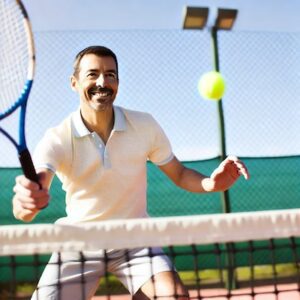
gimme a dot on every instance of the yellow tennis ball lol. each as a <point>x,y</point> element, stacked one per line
<point>212,86</point>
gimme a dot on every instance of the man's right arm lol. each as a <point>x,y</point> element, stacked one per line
<point>29,198</point>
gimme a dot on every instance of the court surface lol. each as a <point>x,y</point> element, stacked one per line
<point>267,293</point>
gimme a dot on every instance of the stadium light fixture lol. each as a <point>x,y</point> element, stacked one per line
<point>225,18</point>
<point>195,17</point>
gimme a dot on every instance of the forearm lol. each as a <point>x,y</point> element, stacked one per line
<point>195,182</point>
<point>188,179</point>
<point>222,178</point>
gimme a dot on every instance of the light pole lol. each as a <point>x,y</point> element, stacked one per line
<point>196,18</point>
<point>224,21</point>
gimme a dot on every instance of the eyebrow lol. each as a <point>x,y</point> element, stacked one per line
<point>111,71</point>
<point>97,70</point>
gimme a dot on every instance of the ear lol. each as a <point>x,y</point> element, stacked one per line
<point>74,83</point>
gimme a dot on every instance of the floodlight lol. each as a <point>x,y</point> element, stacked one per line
<point>195,17</point>
<point>225,18</point>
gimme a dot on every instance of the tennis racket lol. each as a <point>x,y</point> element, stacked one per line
<point>17,64</point>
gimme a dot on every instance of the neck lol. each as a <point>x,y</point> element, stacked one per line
<point>101,122</point>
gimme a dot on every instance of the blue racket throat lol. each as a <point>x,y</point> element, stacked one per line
<point>24,154</point>
<point>22,100</point>
<point>22,104</point>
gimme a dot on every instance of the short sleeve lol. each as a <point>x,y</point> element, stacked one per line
<point>161,150</point>
<point>50,152</point>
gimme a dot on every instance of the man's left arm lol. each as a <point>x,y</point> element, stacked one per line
<point>222,178</point>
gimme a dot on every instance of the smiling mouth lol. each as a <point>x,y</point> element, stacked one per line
<point>101,94</point>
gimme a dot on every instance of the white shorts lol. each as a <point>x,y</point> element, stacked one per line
<point>132,267</point>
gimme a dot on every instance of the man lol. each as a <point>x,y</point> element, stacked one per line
<point>100,154</point>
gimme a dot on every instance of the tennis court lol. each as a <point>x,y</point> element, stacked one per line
<point>253,253</point>
<point>217,294</point>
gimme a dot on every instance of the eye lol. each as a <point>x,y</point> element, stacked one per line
<point>91,75</point>
<point>111,75</point>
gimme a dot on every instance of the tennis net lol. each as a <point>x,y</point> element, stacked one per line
<point>236,256</point>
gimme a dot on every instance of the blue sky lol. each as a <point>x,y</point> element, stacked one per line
<point>160,65</point>
<point>273,15</point>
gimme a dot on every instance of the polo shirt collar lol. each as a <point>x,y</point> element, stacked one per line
<point>80,129</point>
<point>120,121</point>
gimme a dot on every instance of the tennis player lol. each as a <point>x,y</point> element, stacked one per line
<point>99,152</point>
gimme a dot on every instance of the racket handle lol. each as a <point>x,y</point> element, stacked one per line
<point>27,166</point>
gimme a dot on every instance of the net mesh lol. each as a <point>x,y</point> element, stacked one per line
<point>222,256</point>
<point>15,53</point>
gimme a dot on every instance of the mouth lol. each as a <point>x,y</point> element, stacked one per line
<point>100,95</point>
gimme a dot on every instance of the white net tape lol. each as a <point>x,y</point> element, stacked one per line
<point>119,234</point>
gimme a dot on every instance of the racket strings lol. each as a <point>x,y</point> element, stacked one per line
<point>15,56</point>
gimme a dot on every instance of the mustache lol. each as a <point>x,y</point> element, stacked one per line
<point>101,90</point>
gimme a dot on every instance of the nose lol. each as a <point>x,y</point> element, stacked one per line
<point>100,81</point>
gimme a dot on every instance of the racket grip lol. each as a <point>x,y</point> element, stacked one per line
<point>27,166</point>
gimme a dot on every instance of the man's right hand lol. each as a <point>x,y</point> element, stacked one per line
<point>29,198</point>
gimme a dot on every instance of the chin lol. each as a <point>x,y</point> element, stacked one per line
<point>102,107</point>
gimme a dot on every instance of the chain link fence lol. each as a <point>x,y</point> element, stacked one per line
<point>159,72</point>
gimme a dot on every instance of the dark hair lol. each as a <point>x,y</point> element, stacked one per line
<point>97,50</point>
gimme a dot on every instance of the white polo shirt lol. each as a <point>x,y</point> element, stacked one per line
<point>104,181</point>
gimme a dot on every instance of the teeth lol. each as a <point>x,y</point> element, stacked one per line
<point>101,94</point>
